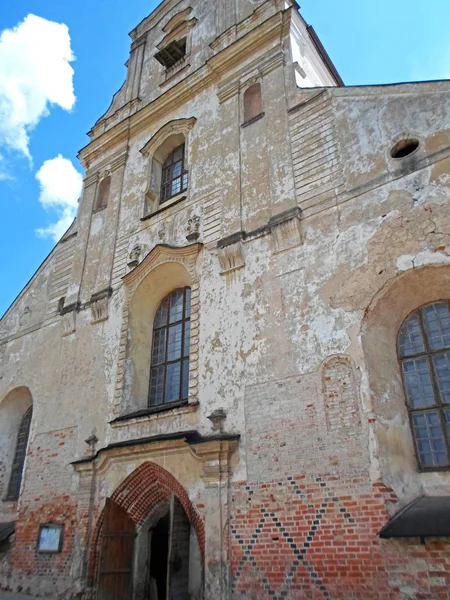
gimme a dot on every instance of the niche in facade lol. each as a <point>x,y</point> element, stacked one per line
<point>252,103</point>
<point>103,193</point>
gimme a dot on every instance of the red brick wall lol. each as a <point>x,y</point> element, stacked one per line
<point>309,537</point>
<point>47,497</point>
<point>35,572</point>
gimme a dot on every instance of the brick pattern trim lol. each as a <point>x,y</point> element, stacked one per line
<point>140,494</point>
<point>316,537</point>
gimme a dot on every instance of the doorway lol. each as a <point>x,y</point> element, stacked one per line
<point>169,554</point>
<point>158,560</point>
<point>159,552</point>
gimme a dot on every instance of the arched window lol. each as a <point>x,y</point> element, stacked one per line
<point>19,456</point>
<point>424,353</point>
<point>252,102</point>
<point>169,375</point>
<point>103,193</point>
<point>174,177</point>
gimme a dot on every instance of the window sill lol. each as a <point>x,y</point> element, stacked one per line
<point>172,202</point>
<point>10,503</point>
<point>433,469</point>
<point>170,77</point>
<point>250,121</point>
<point>156,413</point>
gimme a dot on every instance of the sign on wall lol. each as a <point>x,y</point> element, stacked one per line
<point>50,537</point>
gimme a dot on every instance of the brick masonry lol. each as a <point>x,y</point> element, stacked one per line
<point>305,423</point>
<point>141,493</point>
<point>315,537</point>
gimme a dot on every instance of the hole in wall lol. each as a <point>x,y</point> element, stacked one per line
<point>404,148</point>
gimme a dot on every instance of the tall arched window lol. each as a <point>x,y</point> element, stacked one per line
<point>424,353</point>
<point>174,177</point>
<point>19,457</point>
<point>169,375</point>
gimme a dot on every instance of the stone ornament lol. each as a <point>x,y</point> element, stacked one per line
<point>133,257</point>
<point>217,419</point>
<point>193,229</point>
<point>99,305</point>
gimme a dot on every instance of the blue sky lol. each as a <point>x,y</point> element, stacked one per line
<point>369,42</point>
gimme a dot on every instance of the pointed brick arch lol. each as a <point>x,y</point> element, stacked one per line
<point>140,494</point>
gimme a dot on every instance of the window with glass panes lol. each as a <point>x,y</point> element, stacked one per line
<point>19,456</point>
<point>174,177</point>
<point>424,353</point>
<point>169,373</point>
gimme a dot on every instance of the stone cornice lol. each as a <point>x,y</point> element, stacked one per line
<point>153,19</point>
<point>213,452</point>
<point>257,68</point>
<point>111,163</point>
<point>214,69</point>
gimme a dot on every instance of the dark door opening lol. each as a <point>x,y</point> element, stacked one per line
<point>169,555</point>
<point>159,557</point>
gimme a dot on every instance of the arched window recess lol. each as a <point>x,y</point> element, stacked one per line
<point>168,172</point>
<point>169,371</point>
<point>15,479</point>
<point>253,108</point>
<point>424,354</point>
<point>102,198</point>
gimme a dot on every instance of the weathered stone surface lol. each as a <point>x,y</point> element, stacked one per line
<point>305,245</point>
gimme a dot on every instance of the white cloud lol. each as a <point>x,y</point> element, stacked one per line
<point>4,175</point>
<point>35,73</point>
<point>60,185</point>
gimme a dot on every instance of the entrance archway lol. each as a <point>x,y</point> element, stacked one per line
<point>149,541</point>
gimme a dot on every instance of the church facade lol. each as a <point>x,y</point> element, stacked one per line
<point>231,377</point>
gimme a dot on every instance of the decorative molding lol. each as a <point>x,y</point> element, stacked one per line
<point>231,258</point>
<point>160,254</point>
<point>91,179</point>
<point>179,32</point>
<point>150,415</point>
<point>216,458</point>
<point>68,323</point>
<point>250,74</point>
<point>285,229</point>
<point>104,137</point>
<point>173,127</point>
<point>99,305</point>
<point>109,164</point>
<point>217,419</point>
<point>133,256</point>
<point>177,20</point>
<point>187,256</point>
<point>193,229</point>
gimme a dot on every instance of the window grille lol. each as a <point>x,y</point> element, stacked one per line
<point>424,353</point>
<point>169,373</point>
<point>19,456</point>
<point>174,177</point>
